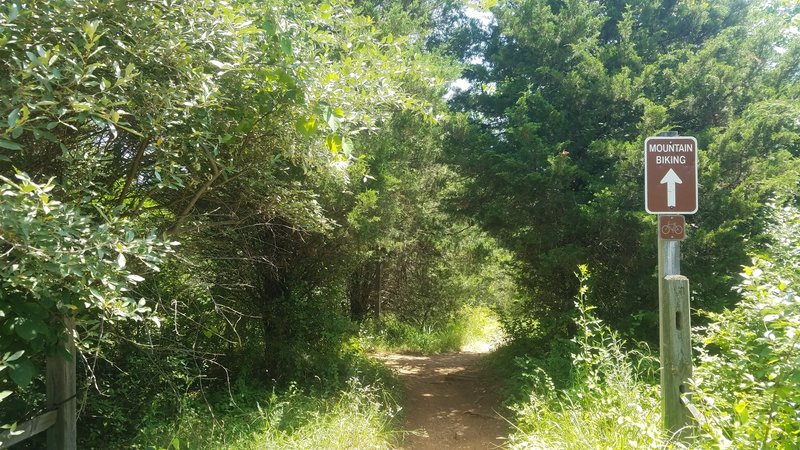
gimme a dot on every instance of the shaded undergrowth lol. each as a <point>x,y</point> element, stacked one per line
<point>472,328</point>
<point>593,391</point>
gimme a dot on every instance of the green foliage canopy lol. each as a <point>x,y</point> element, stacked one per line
<point>230,126</point>
<point>57,262</point>
<point>560,101</point>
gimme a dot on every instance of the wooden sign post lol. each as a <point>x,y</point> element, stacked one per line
<point>673,288</point>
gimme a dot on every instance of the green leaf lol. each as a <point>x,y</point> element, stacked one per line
<point>22,372</point>
<point>306,127</point>
<point>334,143</point>
<point>270,27</point>
<point>220,64</point>
<point>325,10</point>
<point>331,119</point>
<point>13,12</point>
<point>741,410</point>
<point>96,294</point>
<point>90,28</point>
<point>347,146</point>
<point>286,45</point>
<point>12,118</point>
<point>9,145</point>
<point>16,356</point>
<point>26,329</point>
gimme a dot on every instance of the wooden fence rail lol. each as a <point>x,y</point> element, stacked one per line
<point>28,429</point>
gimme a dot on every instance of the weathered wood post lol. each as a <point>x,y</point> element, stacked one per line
<point>61,394</point>
<point>675,348</point>
<point>60,420</point>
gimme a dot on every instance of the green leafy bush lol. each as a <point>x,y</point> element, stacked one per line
<point>56,262</point>
<point>748,382</point>
<point>241,129</point>
<point>746,386</point>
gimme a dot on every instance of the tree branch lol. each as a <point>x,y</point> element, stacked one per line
<point>216,172</point>
<point>137,160</point>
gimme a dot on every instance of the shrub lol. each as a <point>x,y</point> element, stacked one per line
<point>748,382</point>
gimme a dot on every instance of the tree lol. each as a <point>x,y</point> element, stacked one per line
<point>229,127</point>
<point>552,128</point>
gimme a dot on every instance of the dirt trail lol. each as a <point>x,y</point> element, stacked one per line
<point>450,402</point>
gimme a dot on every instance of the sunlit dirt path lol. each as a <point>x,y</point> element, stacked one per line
<point>450,402</point>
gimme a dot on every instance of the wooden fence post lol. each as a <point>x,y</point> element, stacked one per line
<point>61,395</point>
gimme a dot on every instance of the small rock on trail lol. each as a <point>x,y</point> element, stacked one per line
<point>450,402</point>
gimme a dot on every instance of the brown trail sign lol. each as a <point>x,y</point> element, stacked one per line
<point>671,227</point>
<point>670,175</point>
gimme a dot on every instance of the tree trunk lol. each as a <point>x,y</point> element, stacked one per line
<point>361,287</point>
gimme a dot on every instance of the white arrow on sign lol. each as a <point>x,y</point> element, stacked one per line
<point>671,178</point>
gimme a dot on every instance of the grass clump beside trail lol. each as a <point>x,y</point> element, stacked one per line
<point>357,415</point>
<point>471,328</point>
<point>602,399</point>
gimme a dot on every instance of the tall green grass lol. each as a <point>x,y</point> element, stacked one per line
<point>358,415</point>
<point>602,397</point>
<point>472,328</point>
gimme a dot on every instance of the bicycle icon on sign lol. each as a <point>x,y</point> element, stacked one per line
<point>672,228</point>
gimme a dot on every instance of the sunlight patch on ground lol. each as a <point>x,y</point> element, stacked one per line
<point>480,347</point>
<point>449,370</point>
